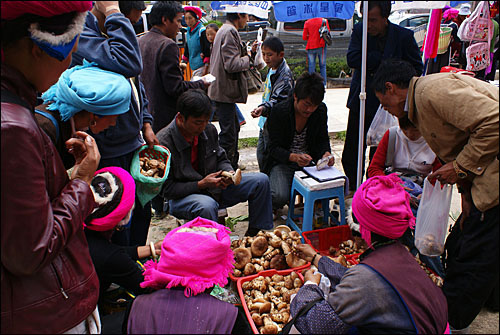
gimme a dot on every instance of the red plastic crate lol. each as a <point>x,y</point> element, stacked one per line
<point>267,273</point>
<point>353,258</point>
<point>322,239</point>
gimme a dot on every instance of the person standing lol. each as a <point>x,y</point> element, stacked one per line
<point>48,281</point>
<point>316,46</point>
<point>162,76</point>
<point>385,40</point>
<point>277,87</point>
<point>467,143</point>
<point>192,49</point>
<point>109,40</point>
<point>228,62</point>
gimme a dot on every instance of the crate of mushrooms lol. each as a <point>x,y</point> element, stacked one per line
<point>266,298</point>
<point>265,251</point>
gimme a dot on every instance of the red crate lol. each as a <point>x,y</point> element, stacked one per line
<point>267,273</point>
<point>353,258</point>
<point>322,239</point>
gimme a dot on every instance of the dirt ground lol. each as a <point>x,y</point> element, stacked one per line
<point>486,322</point>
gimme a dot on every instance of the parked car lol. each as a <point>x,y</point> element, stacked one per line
<point>415,22</point>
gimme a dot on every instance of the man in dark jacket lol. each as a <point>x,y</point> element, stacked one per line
<point>109,40</point>
<point>385,40</point>
<point>162,76</point>
<point>298,135</point>
<point>195,186</point>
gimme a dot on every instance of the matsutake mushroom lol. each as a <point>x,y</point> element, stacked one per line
<point>278,262</point>
<point>259,246</point>
<point>242,257</point>
<point>294,261</point>
<point>235,177</point>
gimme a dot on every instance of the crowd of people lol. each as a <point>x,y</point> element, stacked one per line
<point>81,93</point>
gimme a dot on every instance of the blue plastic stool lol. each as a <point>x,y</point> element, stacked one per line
<point>311,190</point>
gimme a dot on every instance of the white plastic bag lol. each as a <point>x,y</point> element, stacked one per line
<point>432,218</point>
<point>259,60</point>
<point>382,121</point>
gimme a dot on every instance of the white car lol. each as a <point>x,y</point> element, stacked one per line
<point>415,22</point>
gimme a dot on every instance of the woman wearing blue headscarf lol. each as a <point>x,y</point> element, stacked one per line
<point>86,97</point>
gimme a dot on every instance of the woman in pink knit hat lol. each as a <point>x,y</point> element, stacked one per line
<point>387,292</point>
<point>114,193</point>
<point>194,258</point>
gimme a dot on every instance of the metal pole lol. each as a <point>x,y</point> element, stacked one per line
<point>362,95</point>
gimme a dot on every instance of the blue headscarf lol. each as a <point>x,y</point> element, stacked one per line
<point>90,88</point>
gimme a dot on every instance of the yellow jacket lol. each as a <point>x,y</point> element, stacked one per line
<point>458,117</point>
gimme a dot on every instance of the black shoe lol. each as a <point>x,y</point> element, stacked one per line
<point>252,231</point>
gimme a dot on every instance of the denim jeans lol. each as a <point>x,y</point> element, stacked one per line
<point>254,187</point>
<point>281,178</point>
<point>229,131</point>
<point>311,59</point>
<point>261,148</point>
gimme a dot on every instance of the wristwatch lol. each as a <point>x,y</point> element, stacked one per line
<point>461,174</point>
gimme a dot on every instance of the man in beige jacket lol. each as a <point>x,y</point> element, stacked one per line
<point>458,117</point>
<point>228,62</point>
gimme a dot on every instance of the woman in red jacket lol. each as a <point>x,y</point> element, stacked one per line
<point>411,152</point>
<point>315,46</point>
<point>409,155</point>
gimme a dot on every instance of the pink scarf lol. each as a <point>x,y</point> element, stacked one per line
<point>196,256</point>
<point>381,205</point>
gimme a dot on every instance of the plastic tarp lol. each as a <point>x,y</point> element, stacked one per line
<point>257,8</point>
<point>291,11</point>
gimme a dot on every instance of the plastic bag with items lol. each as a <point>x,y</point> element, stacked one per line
<point>382,121</point>
<point>432,218</point>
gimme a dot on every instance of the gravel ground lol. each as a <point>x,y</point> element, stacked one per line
<point>486,322</point>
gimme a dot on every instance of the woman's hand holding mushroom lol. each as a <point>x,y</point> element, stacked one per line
<point>309,275</point>
<point>306,252</point>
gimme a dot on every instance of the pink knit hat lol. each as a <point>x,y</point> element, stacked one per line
<point>196,256</point>
<point>381,205</point>
<point>114,193</point>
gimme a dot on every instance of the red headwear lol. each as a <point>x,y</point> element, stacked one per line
<point>14,9</point>
<point>194,9</point>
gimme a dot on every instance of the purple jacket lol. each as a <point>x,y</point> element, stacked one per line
<point>168,311</point>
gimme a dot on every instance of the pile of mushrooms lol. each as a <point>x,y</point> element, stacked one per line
<point>267,250</point>
<point>268,300</point>
<point>349,247</point>
<point>152,167</point>
<point>435,278</point>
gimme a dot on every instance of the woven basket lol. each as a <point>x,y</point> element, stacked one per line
<point>444,40</point>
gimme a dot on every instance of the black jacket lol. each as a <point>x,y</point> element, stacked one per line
<point>183,178</point>
<point>281,86</point>
<point>162,76</point>
<point>400,44</point>
<point>114,263</point>
<point>280,127</point>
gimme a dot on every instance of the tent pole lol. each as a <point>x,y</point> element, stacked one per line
<point>362,95</point>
